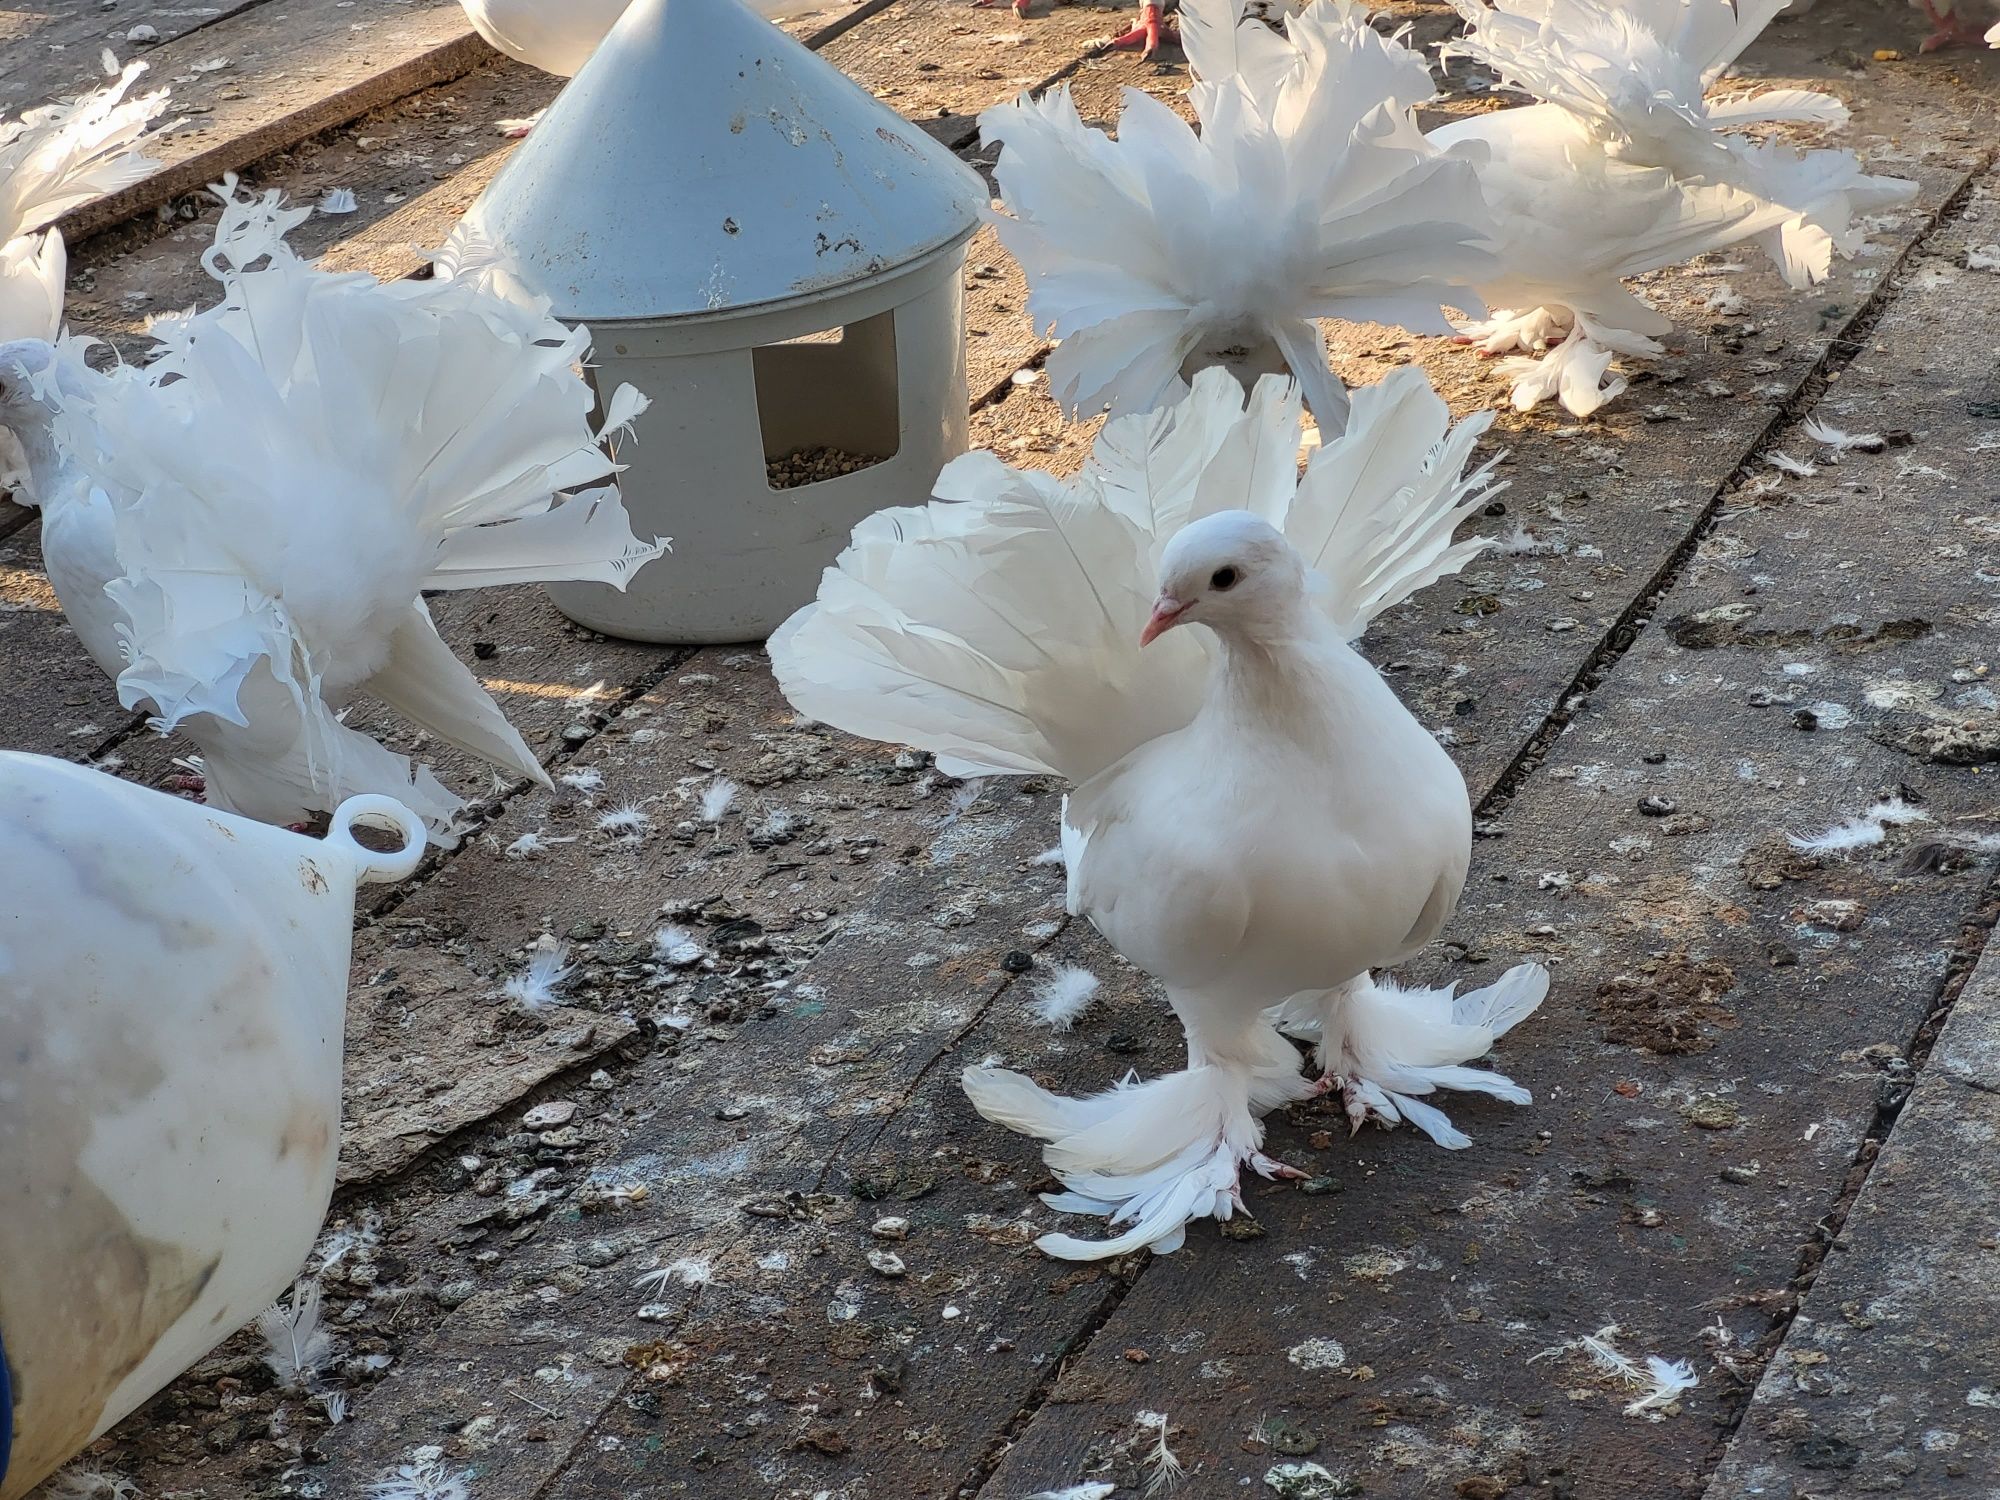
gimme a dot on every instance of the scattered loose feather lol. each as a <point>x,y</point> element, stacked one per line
<point>678,947</point>
<point>1863,832</point>
<point>1063,995</point>
<point>534,988</point>
<point>429,1481</point>
<point>296,1347</point>
<point>1830,437</point>
<point>1162,1466</point>
<point>529,844</point>
<point>1660,1382</point>
<point>583,779</point>
<point>338,201</point>
<point>1784,463</point>
<point>1842,838</point>
<point>1895,812</point>
<point>1666,1383</point>
<point>717,798</point>
<point>80,1482</point>
<point>1096,1490</point>
<point>687,1271</point>
<point>626,821</point>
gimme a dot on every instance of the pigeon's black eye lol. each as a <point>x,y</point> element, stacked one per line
<point>1223,579</point>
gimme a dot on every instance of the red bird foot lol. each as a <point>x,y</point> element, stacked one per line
<point>193,786</point>
<point>1148,34</point>
<point>1952,30</point>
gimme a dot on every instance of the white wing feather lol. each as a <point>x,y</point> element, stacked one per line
<point>998,626</point>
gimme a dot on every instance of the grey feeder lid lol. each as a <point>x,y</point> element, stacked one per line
<point>703,162</point>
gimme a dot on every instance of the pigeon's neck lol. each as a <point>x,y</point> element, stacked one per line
<point>1282,672</point>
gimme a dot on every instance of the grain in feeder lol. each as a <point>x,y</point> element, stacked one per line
<point>776,260</point>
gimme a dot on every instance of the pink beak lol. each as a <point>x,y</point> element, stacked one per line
<point>1167,612</point>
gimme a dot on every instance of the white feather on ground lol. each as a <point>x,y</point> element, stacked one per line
<point>1308,193</point>
<point>425,1481</point>
<point>241,533</point>
<point>547,970</point>
<point>296,1346</point>
<point>717,798</point>
<point>1063,994</point>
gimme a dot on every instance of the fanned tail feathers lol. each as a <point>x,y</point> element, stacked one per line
<point>60,156</point>
<point>998,626</point>
<point>316,449</point>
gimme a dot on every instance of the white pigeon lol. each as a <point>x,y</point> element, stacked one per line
<point>1256,819</point>
<point>1639,75</point>
<point>241,533</point>
<point>1309,193</point>
<point>1628,167</point>
<point>53,159</point>
<point>1573,224</point>
<point>559,36</point>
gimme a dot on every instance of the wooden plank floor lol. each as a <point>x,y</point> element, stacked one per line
<point>1713,1072</point>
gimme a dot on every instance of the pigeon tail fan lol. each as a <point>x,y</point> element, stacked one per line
<point>1636,71</point>
<point>1386,1046</point>
<point>998,627</point>
<point>307,456</point>
<point>60,156</point>
<point>1636,76</point>
<point>1149,1157</point>
<point>1829,191</point>
<point>1158,253</point>
<point>54,159</point>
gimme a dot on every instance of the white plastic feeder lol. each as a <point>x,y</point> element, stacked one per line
<point>173,988</point>
<point>776,259</point>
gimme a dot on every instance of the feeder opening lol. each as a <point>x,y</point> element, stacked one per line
<point>829,403</point>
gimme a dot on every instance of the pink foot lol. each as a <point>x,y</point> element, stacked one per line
<point>1148,34</point>
<point>193,786</point>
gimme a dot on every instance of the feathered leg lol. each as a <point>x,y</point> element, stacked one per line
<point>1384,1046</point>
<point>1153,1156</point>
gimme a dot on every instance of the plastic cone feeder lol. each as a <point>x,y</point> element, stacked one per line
<point>173,986</point>
<point>777,260</point>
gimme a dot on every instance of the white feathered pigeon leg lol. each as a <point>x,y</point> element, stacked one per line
<point>1151,1157</point>
<point>1384,1046</point>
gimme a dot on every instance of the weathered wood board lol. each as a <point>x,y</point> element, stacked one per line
<point>738,1109</point>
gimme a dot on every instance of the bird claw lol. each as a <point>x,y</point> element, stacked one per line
<point>1273,1170</point>
<point>193,786</point>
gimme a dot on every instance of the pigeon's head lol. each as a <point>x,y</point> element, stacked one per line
<point>1231,572</point>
